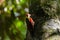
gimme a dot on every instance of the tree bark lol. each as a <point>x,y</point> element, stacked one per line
<point>42,12</point>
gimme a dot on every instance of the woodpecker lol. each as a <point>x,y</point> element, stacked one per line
<point>30,24</point>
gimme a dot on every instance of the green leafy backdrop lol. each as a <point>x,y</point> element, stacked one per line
<point>13,20</point>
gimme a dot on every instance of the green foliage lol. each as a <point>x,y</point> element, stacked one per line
<point>13,17</point>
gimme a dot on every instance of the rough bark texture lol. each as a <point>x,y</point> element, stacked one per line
<point>46,16</point>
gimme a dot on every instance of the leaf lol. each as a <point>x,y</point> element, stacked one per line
<point>21,26</point>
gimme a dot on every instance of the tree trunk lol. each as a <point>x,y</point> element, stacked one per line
<point>45,13</point>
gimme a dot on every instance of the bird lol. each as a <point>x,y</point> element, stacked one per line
<point>30,24</point>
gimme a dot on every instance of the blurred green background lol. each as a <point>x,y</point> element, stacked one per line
<point>13,19</point>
